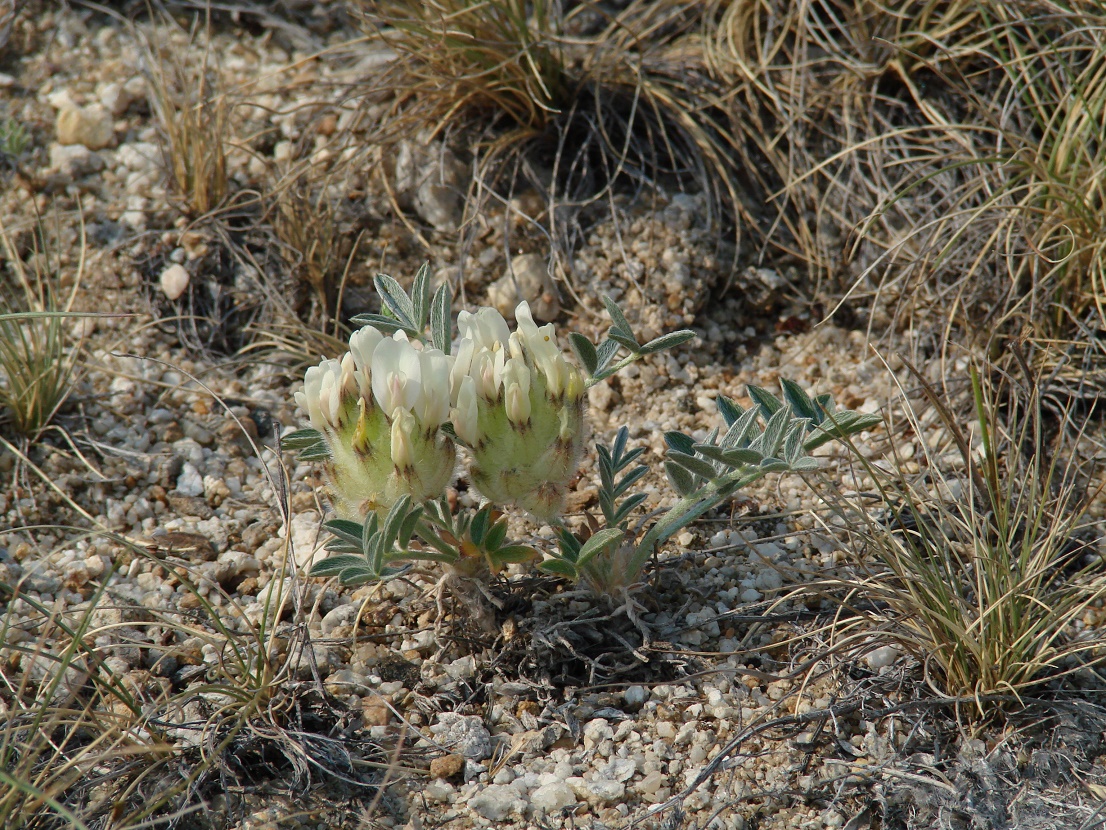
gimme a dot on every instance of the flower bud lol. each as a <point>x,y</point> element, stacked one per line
<point>516,391</point>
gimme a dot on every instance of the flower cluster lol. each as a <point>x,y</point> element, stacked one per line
<point>520,407</point>
<point>512,397</point>
<point>380,409</point>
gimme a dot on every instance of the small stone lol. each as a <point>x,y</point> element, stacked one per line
<point>466,734</point>
<point>769,579</point>
<point>195,244</point>
<point>74,160</point>
<point>497,802</point>
<point>606,791</point>
<point>343,615</point>
<point>91,126</point>
<point>174,281</point>
<point>619,769</point>
<point>554,796</point>
<point>190,482</point>
<point>138,155</point>
<point>651,783</point>
<point>346,682</point>
<point>882,657</point>
<point>447,766</point>
<point>375,712</point>
<point>115,97</point>
<point>526,279</point>
<point>307,538</point>
<point>192,546</point>
<point>635,696</point>
<point>438,792</point>
<point>750,595</point>
<point>189,506</point>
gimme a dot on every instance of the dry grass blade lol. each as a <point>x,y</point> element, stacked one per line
<point>984,575</point>
<point>943,160</point>
<point>71,725</point>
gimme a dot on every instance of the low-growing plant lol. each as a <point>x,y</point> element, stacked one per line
<point>387,417</point>
<point>14,138</point>
<point>984,575</point>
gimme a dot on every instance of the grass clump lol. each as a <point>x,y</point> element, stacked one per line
<point>38,359</point>
<point>308,221</point>
<point>500,57</point>
<point>985,569</point>
<point>194,115</point>
<point>575,104</point>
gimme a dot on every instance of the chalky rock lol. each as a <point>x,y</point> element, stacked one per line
<point>432,180</point>
<point>464,734</point>
<point>882,657</point>
<point>497,802</point>
<point>552,797</point>
<point>74,160</point>
<point>527,279</point>
<point>90,126</point>
<point>174,281</point>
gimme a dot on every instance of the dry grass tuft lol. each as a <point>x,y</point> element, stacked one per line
<point>194,114</point>
<point>307,219</point>
<point>577,105</point>
<point>499,58</point>
<point>985,568</point>
<point>941,163</point>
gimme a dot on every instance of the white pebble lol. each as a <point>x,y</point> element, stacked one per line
<point>882,657</point>
<point>190,482</point>
<point>174,281</point>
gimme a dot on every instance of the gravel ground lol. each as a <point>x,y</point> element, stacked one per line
<point>563,714</point>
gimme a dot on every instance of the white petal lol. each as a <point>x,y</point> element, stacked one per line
<point>466,415</point>
<point>362,344</point>
<point>402,436</point>
<point>396,375</point>
<point>485,328</point>
<point>462,362</point>
<point>433,406</point>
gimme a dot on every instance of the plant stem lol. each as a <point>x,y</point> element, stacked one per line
<point>690,508</point>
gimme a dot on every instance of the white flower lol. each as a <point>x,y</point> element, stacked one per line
<point>487,371</point>
<point>516,391</point>
<point>362,344</point>
<point>402,434</point>
<point>396,375</point>
<point>486,328</point>
<point>466,414</point>
<point>540,344</point>
<point>432,408</point>
<point>321,397</point>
